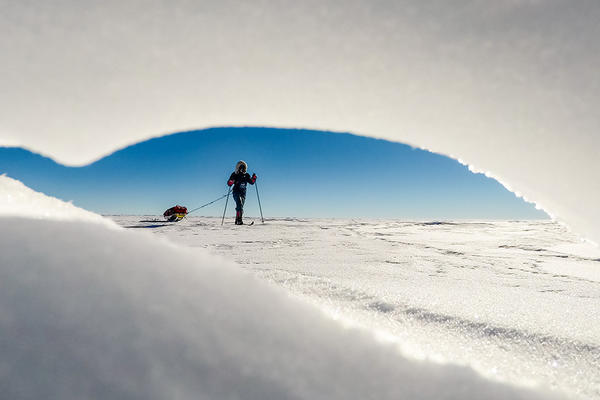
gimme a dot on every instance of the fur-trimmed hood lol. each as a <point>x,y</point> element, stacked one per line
<point>239,164</point>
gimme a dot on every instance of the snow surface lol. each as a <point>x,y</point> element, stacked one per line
<point>515,300</point>
<point>509,87</point>
<point>95,311</point>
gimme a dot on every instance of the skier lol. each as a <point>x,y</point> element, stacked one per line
<point>239,178</point>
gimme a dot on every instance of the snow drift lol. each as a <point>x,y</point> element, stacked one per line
<point>509,87</point>
<point>94,311</point>
<point>16,199</point>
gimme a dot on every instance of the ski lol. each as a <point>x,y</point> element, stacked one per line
<point>250,224</point>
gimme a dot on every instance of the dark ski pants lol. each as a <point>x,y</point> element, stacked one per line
<point>240,199</point>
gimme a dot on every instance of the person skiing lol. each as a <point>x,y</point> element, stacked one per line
<point>239,178</point>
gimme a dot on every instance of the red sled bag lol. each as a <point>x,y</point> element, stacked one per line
<point>175,213</point>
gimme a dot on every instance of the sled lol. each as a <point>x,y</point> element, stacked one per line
<point>175,214</point>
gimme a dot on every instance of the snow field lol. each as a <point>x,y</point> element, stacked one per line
<point>515,300</point>
<point>93,311</point>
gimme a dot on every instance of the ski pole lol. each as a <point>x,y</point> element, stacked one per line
<point>259,206</point>
<point>225,210</point>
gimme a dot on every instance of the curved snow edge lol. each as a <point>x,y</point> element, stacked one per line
<point>18,199</point>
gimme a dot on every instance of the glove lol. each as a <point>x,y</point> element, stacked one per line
<point>230,182</point>
<point>253,178</point>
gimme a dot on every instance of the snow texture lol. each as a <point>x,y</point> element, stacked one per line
<point>508,87</point>
<point>90,311</point>
<point>491,295</point>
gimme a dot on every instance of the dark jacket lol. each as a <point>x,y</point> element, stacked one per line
<point>240,180</point>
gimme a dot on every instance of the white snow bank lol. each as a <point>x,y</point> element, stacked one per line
<point>17,199</point>
<point>92,312</point>
<point>509,87</point>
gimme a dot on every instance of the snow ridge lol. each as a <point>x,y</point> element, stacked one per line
<point>18,199</point>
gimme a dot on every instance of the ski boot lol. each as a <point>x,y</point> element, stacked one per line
<point>238,218</point>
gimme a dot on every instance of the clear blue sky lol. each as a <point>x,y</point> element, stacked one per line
<point>301,174</point>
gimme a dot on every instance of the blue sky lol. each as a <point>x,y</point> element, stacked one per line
<point>301,174</point>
